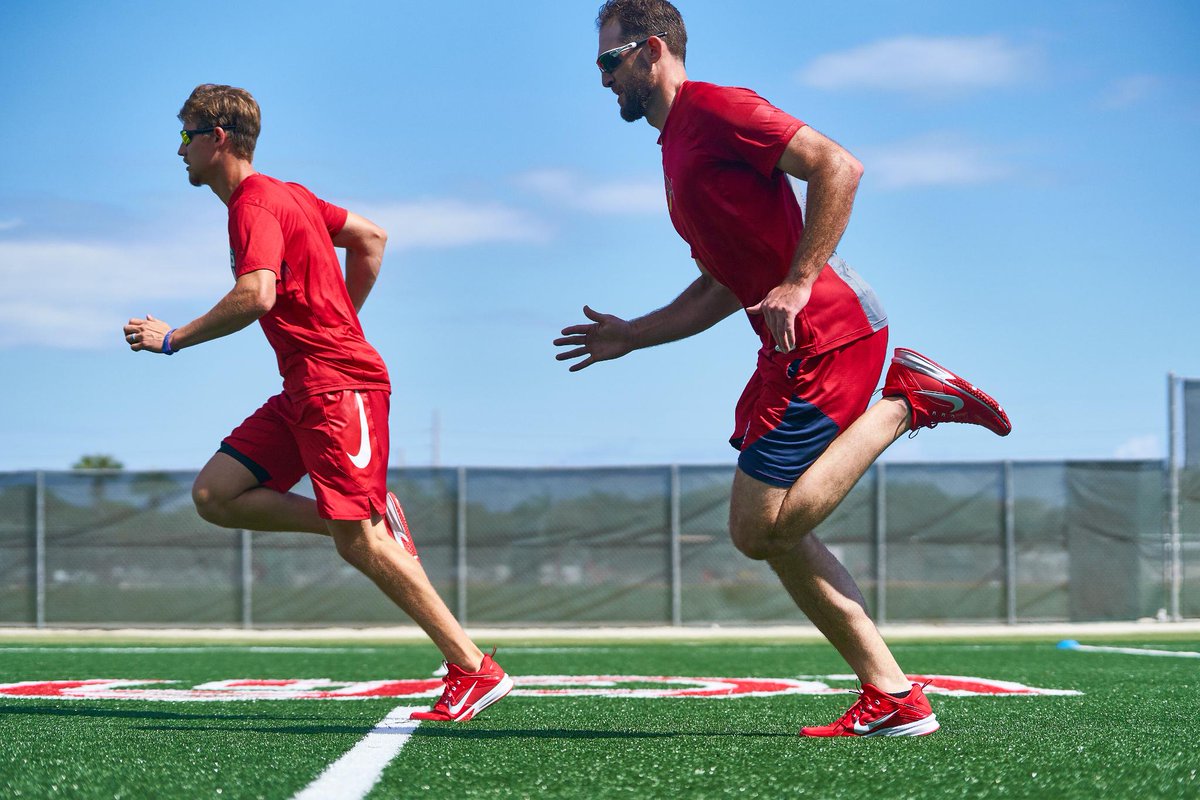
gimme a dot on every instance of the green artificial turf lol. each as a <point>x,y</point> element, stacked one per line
<point>1130,734</point>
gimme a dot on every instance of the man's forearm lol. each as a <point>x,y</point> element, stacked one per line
<point>364,243</point>
<point>830,201</point>
<point>362,268</point>
<point>698,308</point>
<point>234,311</point>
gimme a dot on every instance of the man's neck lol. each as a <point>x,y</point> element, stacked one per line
<point>663,98</point>
<point>230,178</point>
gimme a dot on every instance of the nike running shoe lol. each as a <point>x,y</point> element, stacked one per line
<point>398,525</point>
<point>468,693</point>
<point>938,395</point>
<point>879,714</point>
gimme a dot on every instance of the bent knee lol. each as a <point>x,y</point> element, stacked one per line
<point>761,543</point>
<point>754,542</point>
<point>355,545</point>
<point>350,548</point>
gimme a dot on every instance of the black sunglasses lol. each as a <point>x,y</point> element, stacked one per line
<point>609,60</point>
<point>187,135</point>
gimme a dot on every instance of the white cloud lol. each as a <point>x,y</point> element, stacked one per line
<point>451,223</point>
<point>925,65</point>
<point>90,289</point>
<point>934,160</point>
<point>1129,91</point>
<point>605,197</point>
<point>10,224</point>
<point>1140,447</point>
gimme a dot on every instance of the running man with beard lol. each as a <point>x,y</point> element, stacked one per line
<point>331,420</point>
<point>803,428</point>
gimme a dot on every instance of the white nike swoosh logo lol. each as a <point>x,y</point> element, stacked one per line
<point>956,403</point>
<point>363,457</point>
<point>454,710</point>
<point>870,726</point>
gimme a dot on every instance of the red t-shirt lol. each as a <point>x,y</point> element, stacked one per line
<point>314,329</point>
<point>738,212</point>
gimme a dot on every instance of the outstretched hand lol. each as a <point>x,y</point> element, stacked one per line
<point>146,334</point>
<point>605,338</point>
<point>779,310</point>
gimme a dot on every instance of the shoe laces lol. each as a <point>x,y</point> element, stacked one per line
<point>854,714</point>
<point>454,682</point>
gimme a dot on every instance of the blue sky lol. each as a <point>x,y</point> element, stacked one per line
<point>1029,215</point>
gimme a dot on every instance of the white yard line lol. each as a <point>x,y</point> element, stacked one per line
<point>1132,651</point>
<point>353,775</point>
<point>220,648</point>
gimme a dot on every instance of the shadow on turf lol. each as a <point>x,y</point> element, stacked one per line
<point>53,711</point>
<point>433,731</point>
<point>458,732</point>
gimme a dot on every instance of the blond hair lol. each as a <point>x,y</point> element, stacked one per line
<point>212,105</point>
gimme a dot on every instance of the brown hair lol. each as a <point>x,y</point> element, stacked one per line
<point>212,105</point>
<point>642,18</point>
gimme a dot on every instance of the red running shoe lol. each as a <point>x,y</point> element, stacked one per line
<point>879,714</point>
<point>468,693</point>
<point>398,525</point>
<point>938,395</point>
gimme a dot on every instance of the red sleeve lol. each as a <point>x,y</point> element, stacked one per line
<point>334,216</point>
<point>751,129</point>
<point>255,239</point>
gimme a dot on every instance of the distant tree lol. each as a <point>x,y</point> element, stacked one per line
<point>98,461</point>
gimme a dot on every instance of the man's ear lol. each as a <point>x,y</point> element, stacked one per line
<point>655,48</point>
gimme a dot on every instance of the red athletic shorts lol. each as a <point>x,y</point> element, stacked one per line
<point>792,409</point>
<point>340,439</point>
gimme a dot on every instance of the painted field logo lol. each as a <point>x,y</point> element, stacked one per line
<point>636,686</point>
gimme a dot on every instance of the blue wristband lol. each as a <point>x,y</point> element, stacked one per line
<point>166,348</point>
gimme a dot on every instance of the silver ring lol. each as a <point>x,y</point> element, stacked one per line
<point>132,338</point>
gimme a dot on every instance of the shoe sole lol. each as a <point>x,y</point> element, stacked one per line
<point>920,727</point>
<point>395,520</point>
<point>913,360</point>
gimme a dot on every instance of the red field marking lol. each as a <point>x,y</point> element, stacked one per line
<point>630,686</point>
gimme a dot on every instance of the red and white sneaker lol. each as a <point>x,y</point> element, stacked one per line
<point>879,714</point>
<point>398,525</point>
<point>468,693</point>
<point>938,395</point>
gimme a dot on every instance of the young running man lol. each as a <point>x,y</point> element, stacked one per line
<point>331,419</point>
<point>802,426</point>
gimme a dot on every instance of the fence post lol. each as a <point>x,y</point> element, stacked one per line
<point>676,552</point>
<point>39,549</point>
<point>1174,539</point>
<point>1010,546</point>
<point>461,547</point>
<point>880,542</point>
<point>247,578</point>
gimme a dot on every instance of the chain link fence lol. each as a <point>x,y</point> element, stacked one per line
<point>978,542</point>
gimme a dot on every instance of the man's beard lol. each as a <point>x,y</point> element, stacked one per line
<point>638,90</point>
